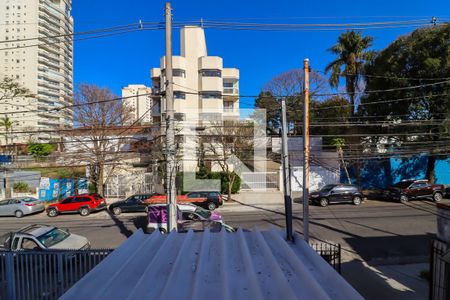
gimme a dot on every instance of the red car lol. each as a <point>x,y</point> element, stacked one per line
<point>83,204</point>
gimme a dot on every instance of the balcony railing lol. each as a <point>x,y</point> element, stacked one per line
<point>233,91</point>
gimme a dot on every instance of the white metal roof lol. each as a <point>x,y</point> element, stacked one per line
<point>242,265</point>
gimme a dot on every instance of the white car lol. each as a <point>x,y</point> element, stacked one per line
<point>43,237</point>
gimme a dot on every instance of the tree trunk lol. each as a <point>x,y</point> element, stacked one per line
<point>230,186</point>
<point>430,174</point>
<point>100,180</point>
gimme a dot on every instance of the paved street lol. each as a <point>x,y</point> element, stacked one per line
<point>374,236</point>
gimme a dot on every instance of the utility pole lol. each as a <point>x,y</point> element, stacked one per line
<point>170,133</point>
<point>306,153</point>
<point>286,172</point>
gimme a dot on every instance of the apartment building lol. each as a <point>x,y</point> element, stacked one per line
<point>44,66</point>
<point>204,91</point>
<point>139,98</point>
<point>200,82</point>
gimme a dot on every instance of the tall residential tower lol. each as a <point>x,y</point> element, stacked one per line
<point>44,65</point>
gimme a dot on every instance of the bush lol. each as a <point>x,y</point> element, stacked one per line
<point>21,187</point>
<point>222,176</point>
<point>39,150</point>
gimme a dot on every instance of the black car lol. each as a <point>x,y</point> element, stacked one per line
<point>213,199</point>
<point>337,193</point>
<point>133,203</point>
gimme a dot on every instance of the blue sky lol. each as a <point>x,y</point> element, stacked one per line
<point>126,59</point>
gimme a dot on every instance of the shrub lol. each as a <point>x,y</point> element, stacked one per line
<point>21,187</point>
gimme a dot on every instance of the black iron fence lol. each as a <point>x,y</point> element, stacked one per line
<point>439,271</point>
<point>46,275</point>
<point>330,252</point>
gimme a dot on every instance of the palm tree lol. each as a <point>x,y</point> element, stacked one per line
<point>351,55</point>
<point>7,124</point>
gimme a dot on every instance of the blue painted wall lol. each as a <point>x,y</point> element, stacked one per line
<point>380,173</point>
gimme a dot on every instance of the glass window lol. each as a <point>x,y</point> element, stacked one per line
<point>4,202</point>
<point>29,244</point>
<point>179,95</point>
<point>211,95</point>
<point>53,237</point>
<point>67,200</point>
<point>179,73</point>
<point>211,73</point>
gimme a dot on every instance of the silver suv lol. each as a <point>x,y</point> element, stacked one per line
<point>43,237</point>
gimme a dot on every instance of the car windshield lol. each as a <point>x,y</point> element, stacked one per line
<point>203,212</point>
<point>53,237</point>
<point>327,188</point>
<point>403,184</point>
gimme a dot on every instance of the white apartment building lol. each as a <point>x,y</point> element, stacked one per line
<point>204,91</point>
<point>139,98</point>
<point>44,66</point>
<point>200,82</point>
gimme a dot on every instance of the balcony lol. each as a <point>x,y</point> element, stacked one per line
<point>49,62</point>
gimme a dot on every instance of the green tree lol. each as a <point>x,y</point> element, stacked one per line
<point>7,124</point>
<point>352,54</point>
<point>39,150</point>
<point>422,60</point>
<point>21,187</point>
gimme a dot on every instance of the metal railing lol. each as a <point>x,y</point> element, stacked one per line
<point>45,275</point>
<point>439,271</point>
<point>329,252</point>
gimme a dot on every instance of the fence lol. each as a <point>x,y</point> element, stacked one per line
<point>330,252</point>
<point>259,180</point>
<point>439,271</point>
<point>30,275</point>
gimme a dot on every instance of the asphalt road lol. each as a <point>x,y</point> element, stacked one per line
<point>375,231</point>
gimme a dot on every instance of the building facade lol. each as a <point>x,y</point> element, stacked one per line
<point>200,82</point>
<point>139,98</point>
<point>44,65</point>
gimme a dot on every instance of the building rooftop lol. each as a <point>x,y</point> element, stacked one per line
<point>204,265</point>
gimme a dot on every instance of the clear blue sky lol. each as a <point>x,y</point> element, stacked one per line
<point>126,59</point>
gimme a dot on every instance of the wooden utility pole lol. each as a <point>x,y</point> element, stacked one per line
<point>170,133</point>
<point>306,153</point>
<point>286,172</point>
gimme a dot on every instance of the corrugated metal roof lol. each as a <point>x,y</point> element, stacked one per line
<point>242,265</point>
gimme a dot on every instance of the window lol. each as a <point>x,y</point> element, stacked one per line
<point>211,95</point>
<point>228,106</point>
<point>211,73</point>
<point>179,73</point>
<point>29,244</point>
<point>179,95</point>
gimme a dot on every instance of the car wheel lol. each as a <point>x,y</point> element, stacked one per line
<point>52,212</point>
<point>18,214</point>
<point>437,197</point>
<point>84,211</point>
<point>162,230</point>
<point>404,198</point>
<point>116,211</point>
<point>212,206</point>
<point>323,202</point>
<point>357,200</point>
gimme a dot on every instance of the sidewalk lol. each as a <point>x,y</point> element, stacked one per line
<point>250,201</point>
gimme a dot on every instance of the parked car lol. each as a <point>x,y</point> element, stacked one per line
<point>134,203</point>
<point>213,199</point>
<point>210,200</point>
<point>406,190</point>
<point>42,237</point>
<point>157,220</point>
<point>83,204</point>
<point>20,207</point>
<point>337,193</point>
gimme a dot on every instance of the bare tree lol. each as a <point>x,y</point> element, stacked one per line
<point>223,142</point>
<point>99,136</point>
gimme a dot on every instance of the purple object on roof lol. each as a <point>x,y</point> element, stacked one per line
<point>157,214</point>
